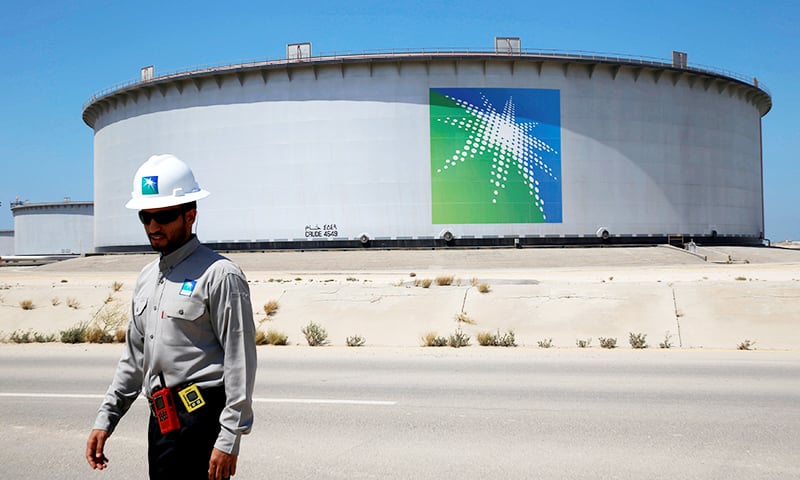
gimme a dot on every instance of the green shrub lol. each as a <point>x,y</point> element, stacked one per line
<point>44,338</point>
<point>356,341</point>
<point>29,336</point>
<point>20,337</point>
<point>430,339</point>
<point>581,343</point>
<point>608,342</point>
<point>76,334</point>
<point>545,343</point>
<point>315,335</point>
<point>458,339</point>
<point>488,339</point>
<point>637,340</point>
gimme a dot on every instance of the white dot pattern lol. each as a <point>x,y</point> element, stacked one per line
<point>512,144</point>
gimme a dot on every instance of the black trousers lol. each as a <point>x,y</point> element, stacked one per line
<point>185,453</point>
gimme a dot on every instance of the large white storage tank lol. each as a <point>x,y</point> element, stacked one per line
<point>457,148</point>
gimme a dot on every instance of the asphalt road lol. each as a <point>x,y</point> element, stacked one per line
<point>425,413</point>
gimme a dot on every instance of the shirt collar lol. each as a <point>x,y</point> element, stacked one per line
<point>167,262</point>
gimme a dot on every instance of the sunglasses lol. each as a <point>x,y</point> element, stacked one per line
<point>162,217</point>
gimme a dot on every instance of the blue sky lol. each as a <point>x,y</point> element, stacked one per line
<point>55,55</point>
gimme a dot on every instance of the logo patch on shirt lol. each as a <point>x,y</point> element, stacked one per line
<point>150,185</point>
<point>188,287</point>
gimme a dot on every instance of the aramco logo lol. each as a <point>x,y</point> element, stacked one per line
<point>495,155</point>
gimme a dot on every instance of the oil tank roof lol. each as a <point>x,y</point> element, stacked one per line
<point>17,207</point>
<point>658,65</point>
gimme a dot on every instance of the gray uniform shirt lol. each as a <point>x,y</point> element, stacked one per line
<point>192,320</point>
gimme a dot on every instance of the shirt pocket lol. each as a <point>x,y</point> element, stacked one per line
<point>139,321</point>
<point>139,304</point>
<point>184,323</point>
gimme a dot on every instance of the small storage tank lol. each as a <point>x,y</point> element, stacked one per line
<point>63,228</point>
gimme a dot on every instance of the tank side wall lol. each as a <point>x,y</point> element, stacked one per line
<point>54,231</point>
<point>343,151</point>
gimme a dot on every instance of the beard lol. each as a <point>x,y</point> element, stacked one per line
<point>169,238</point>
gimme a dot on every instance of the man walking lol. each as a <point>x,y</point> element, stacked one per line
<point>190,343</point>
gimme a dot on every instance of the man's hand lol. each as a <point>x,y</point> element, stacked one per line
<point>94,449</point>
<point>222,465</point>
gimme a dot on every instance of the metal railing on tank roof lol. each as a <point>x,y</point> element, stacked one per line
<point>583,55</point>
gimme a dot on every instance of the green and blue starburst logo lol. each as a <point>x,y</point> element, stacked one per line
<point>495,155</point>
<point>150,185</point>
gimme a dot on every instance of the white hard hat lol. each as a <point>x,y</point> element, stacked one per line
<point>164,181</point>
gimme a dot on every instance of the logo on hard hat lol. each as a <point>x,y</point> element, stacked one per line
<point>150,185</point>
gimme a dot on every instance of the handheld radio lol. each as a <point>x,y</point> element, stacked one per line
<point>164,408</point>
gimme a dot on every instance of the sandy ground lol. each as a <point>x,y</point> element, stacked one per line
<point>714,299</point>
